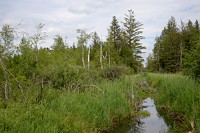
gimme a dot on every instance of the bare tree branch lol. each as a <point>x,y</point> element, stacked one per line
<point>7,71</point>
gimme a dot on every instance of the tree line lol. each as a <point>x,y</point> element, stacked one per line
<point>25,64</point>
<point>177,49</point>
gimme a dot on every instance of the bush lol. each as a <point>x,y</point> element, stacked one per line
<point>62,76</point>
<point>192,63</point>
<point>66,76</point>
<point>113,73</point>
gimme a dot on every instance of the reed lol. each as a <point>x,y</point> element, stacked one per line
<point>179,95</point>
<point>83,110</point>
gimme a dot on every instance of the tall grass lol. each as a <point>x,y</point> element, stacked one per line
<point>84,110</point>
<point>180,95</point>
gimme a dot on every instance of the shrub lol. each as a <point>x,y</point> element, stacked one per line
<point>113,73</point>
<point>192,63</point>
<point>66,76</point>
<point>62,75</point>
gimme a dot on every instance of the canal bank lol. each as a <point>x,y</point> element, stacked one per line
<point>153,123</point>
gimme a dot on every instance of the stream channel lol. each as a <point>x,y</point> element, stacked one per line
<point>152,124</point>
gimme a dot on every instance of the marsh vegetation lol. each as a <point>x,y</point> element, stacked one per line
<point>95,85</point>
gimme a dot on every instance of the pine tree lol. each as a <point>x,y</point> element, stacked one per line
<point>190,34</point>
<point>96,50</point>
<point>167,49</point>
<point>192,62</point>
<point>114,42</point>
<point>150,66</point>
<point>95,45</point>
<point>115,34</point>
<point>132,31</point>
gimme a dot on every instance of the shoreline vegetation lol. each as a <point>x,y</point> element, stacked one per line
<point>91,110</point>
<point>87,110</point>
<point>94,85</point>
<point>177,97</point>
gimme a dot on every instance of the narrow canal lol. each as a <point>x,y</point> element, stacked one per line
<point>152,124</point>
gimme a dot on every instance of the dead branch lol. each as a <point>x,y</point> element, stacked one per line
<point>7,71</point>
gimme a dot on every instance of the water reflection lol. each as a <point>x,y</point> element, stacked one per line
<point>152,124</point>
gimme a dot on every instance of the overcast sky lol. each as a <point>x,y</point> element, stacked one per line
<point>65,16</point>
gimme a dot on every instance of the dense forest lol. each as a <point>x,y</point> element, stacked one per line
<point>177,49</point>
<point>92,85</point>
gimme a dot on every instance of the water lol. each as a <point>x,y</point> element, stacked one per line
<point>152,124</point>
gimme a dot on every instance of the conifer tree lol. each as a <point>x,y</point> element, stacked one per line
<point>96,50</point>
<point>114,42</point>
<point>167,48</point>
<point>115,34</point>
<point>132,36</point>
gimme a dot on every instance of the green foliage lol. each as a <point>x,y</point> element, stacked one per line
<point>179,95</point>
<point>192,63</point>
<point>115,35</point>
<point>123,44</point>
<point>173,45</point>
<point>37,118</point>
<point>113,73</point>
<point>167,48</point>
<point>97,110</point>
<point>39,36</point>
<point>132,36</point>
<point>151,65</point>
<point>59,44</point>
<point>66,111</point>
<point>24,62</point>
<point>6,41</point>
<point>63,76</point>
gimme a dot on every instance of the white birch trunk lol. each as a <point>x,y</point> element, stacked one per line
<point>101,54</point>
<point>109,58</point>
<point>88,58</point>
<point>83,61</point>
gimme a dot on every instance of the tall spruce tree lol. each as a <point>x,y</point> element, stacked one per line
<point>115,34</point>
<point>114,42</point>
<point>132,37</point>
<point>190,35</point>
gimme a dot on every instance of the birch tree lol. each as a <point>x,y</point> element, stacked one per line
<point>38,38</point>
<point>82,41</point>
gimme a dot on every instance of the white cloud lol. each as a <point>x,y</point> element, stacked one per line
<point>64,17</point>
<point>81,10</point>
<point>9,21</point>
